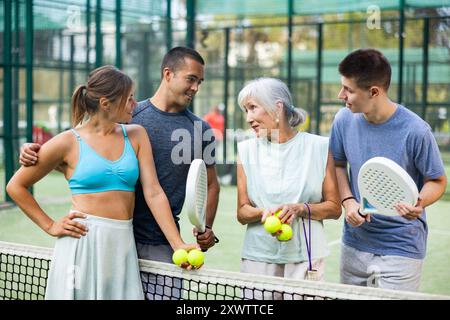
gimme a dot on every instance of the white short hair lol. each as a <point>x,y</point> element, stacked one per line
<point>267,92</point>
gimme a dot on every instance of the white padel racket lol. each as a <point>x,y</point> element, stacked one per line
<point>197,194</point>
<point>382,184</point>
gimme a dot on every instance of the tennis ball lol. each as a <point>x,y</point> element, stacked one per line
<point>195,258</point>
<point>180,256</point>
<point>272,224</point>
<point>286,232</point>
<point>278,212</point>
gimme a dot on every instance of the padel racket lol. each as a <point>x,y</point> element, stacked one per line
<point>197,194</point>
<point>382,184</point>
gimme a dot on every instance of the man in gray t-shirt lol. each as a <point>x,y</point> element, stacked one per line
<point>379,250</point>
<point>173,145</point>
<point>167,121</point>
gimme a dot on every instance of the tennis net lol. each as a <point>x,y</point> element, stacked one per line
<point>24,271</point>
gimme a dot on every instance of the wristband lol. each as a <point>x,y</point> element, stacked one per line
<point>348,198</point>
<point>216,240</point>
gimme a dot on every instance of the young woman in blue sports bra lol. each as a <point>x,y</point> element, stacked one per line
<point>95,254</point>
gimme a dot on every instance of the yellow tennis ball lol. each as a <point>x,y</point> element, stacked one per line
<point>195,258</point>
<point>272,224</point>
<point>180,256</point>
<point>278,212</point>
<point>286,232</point>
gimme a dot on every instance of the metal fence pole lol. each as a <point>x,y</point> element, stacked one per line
<point>226,78</point>
<point>61,82</point>
<point>88,36</point>
<point>319,75</point>
<point>15,101</point>
<point>29,40</point>
<point>71,69</point>
<point>401,41</point>
<point>425,43</point>
<point>7,87</point>
<point>118,34</point>
<point>98,35</point>
<point>169,25</point>
<point>190,34</point>
<point>190,17</point>
<point>29,45</point>
<point>289,53</point>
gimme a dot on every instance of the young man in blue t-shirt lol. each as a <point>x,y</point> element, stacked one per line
<point>379,250</point>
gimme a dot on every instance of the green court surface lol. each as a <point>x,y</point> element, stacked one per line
<point>53,195</point>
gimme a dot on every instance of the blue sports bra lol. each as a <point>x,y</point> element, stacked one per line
<point>95,173</point>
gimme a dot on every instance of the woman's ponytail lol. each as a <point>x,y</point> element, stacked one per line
<point>298,116</point>
<point>79,105</point>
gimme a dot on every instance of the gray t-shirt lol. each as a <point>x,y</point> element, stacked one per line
<point>177,139</point>
<point>406,139</point>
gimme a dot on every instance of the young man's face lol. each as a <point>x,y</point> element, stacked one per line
<point>184,83</point>
<point>356,99</point>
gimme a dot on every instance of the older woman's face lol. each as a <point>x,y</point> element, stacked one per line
<point>258,118</point>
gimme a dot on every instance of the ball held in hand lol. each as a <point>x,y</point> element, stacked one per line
<point>286,232</point>
<point>195,258</point>
<point>179,257</point>
<point>272,224</point>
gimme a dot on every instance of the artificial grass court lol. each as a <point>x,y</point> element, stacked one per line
<point>53,194</point>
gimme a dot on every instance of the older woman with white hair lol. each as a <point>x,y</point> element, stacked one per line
<point>288,170</point>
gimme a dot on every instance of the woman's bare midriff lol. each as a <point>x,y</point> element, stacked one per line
<point>110,204</point>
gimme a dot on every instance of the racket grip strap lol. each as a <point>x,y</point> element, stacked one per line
<point>216,240</point>
<point>362,215</point>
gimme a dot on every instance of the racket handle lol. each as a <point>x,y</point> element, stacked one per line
<point>203,250</point>
<point>216,240</point>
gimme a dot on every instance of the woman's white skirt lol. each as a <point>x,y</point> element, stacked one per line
<point>103,265</point>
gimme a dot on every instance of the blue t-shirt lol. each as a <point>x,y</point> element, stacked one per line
<point>177,139</point>
<point>406,139</point>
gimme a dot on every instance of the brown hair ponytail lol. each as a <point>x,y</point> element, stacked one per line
<point>106,81</point>
<point>78,105</point>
